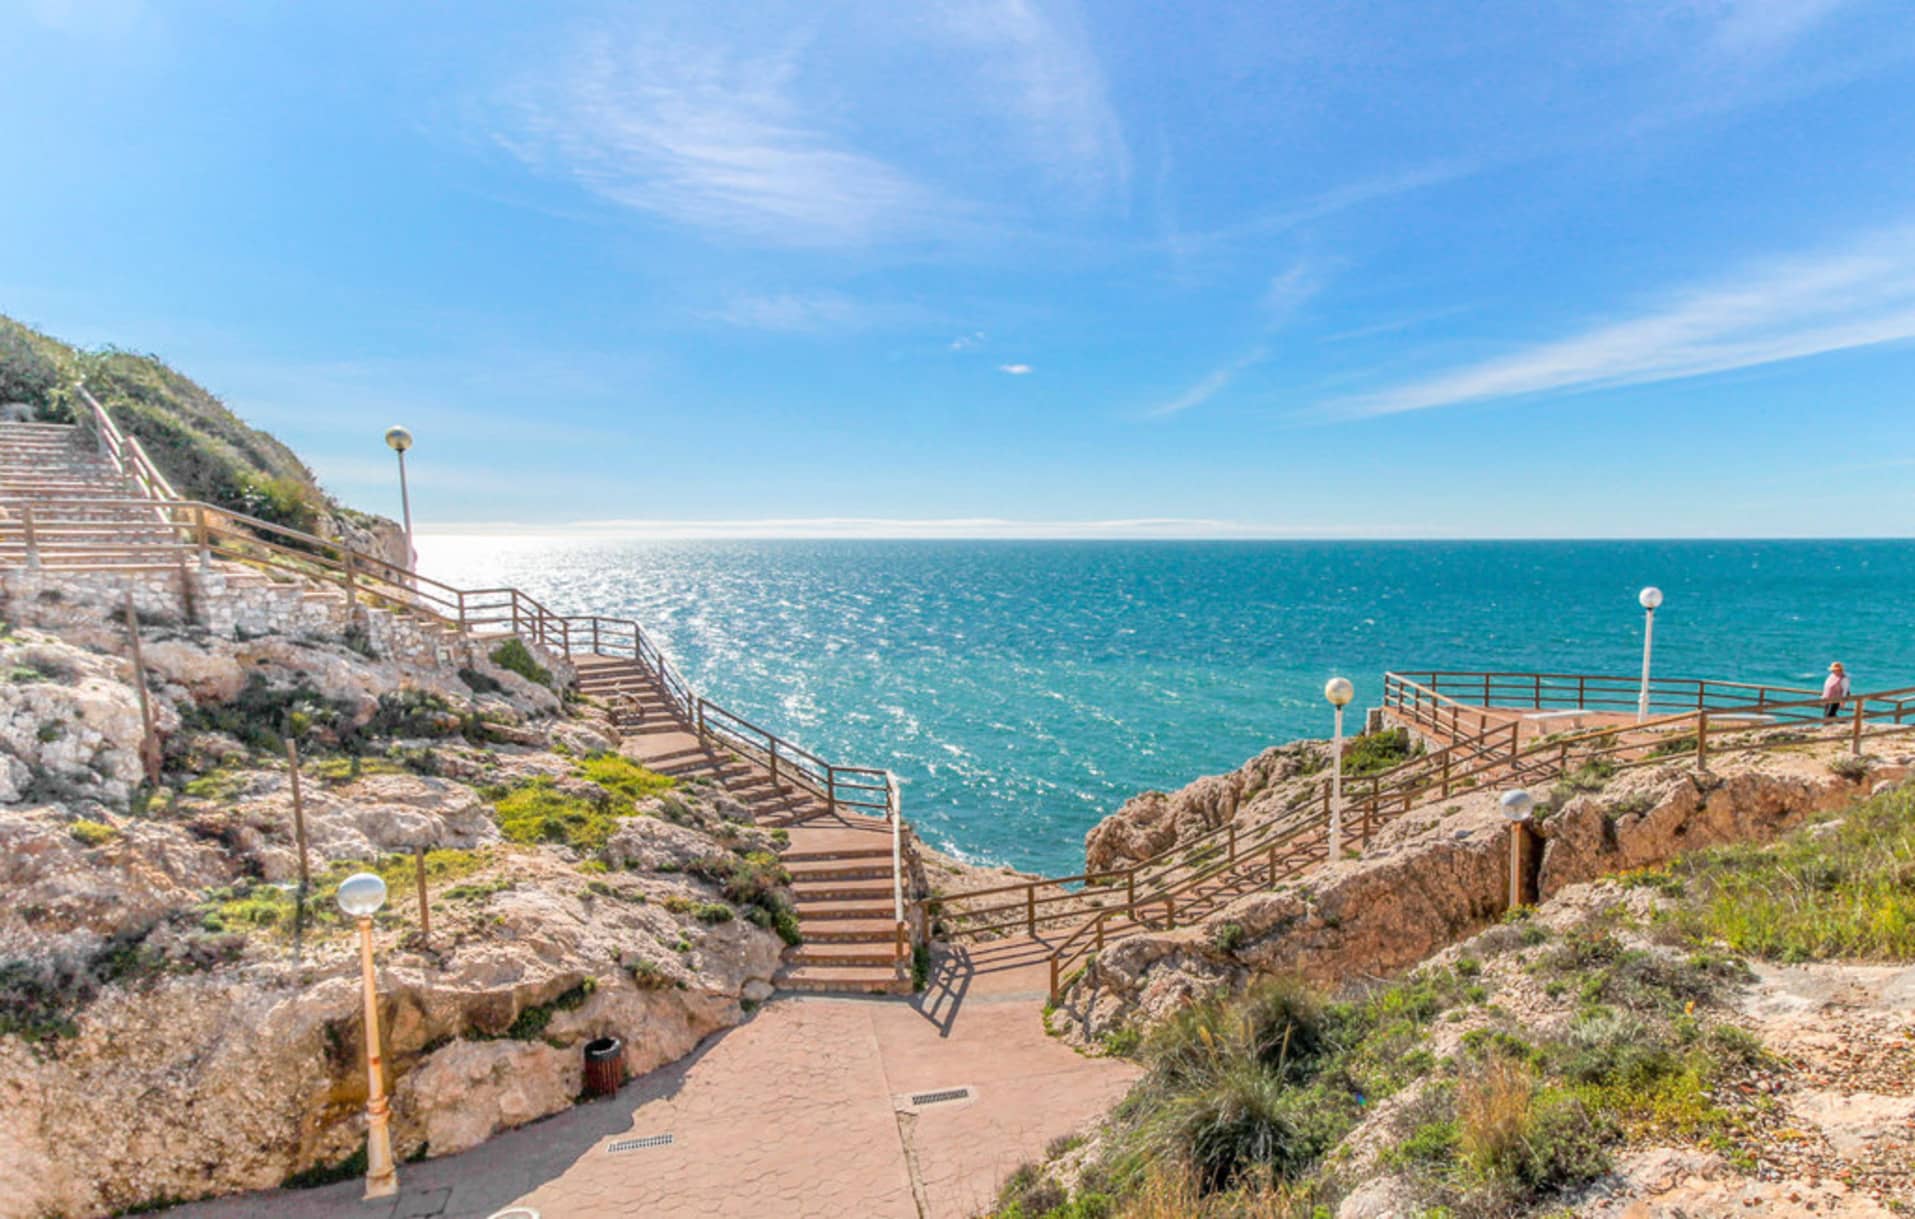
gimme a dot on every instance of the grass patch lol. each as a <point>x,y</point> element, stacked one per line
<point>1844,892</point>
<point>248,906</point>
<point>538,811</point>
<point>622,776</point>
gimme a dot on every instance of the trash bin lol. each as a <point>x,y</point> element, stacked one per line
<point>604,1066</point>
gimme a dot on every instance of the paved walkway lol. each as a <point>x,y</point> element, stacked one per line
<point>804,1110</point>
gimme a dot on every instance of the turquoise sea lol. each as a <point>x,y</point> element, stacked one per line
<point>1023,690</point>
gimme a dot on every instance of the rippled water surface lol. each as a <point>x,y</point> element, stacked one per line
<point>1022,690</point>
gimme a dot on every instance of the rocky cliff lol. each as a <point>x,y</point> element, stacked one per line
<point>177,1019</point>
<point>1433,878</point>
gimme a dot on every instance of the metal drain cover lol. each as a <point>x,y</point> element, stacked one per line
<point>939,1098</point>
<point>655,1140</point>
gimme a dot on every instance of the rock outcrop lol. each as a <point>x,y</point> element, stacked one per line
<point>1433,878</point>
<point>175,1023</point>
<point>1154,822</point>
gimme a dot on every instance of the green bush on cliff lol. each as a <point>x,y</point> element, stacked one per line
<point>1379,751</point>
<point>514,657</point>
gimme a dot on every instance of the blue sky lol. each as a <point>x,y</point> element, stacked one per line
<point>1401,269</point>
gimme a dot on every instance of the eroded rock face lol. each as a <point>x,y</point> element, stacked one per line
<point>1154,822</point>
<point>185,1041</point>
<point>1433,878</point>
<point>70,724</point>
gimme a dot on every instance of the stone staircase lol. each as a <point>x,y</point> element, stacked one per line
<point>53,470</point>
<point>51,475</point>
<point>88,530</point>
<point>840,864</point>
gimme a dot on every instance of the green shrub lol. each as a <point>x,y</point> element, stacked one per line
<point>530,1023</point>
<point>92,833</point>
<point>1851,766</point>
<point>1379,751</point>
<point>648,975</point>
<point>1226,937</point>
<point>26,373</point>
<point>514,657</point>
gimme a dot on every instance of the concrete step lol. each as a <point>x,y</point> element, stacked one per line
<point>854,980</point>
<point>831,955</point>
<point>820,871</point>
<point>856,930</point>
<point>823,891</point>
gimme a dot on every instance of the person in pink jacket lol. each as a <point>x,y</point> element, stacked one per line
<point>1835,689</point>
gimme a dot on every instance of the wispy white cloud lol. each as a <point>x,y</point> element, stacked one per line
<point>1213,384</point>
<point>1762,28</point>
<point>812,313</point>
<point>968,342</point>
<point>1016,370</point>
<point>1289,292</point>
<point>1328,203</point>
<point>1040,69</point>
<point>712,141</point>
<point>1783,310</point>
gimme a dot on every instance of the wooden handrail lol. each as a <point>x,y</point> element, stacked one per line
<point>1634,744</point>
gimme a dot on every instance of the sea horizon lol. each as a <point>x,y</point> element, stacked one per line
<point>1024,688</point>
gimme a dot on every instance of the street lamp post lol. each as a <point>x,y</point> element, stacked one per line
<point>1517,804</point>
<point>360,896</point>
<point>1649,598</point>
<point>399,440</point>
<point>1339,691</point>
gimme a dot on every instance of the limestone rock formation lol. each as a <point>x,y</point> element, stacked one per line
<point>1431,879</point>
<point>175,1023</point>
<point>1154,822</point>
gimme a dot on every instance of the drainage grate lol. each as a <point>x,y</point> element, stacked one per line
<point>656,1140</point>
<point>938,1098</point>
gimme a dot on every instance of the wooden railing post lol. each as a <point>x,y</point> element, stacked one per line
<point>1446,772</point>
<point>462,626</point>
<point>595,648</point>
<point>203,538</point>
<point>425,915</point>
<point>1054,994</point>
<point>33,543</point>
<point>149,732</point>
<point>1130,891</point>
<point>831,789</point>
<point>774,765</point>
<point>299,814</point>
<point>1030,909</point>
<point>1233,842</point>
<point>1702,740</point>
<point>1273,863</point>
<point>352,597</point>
<point>1855,734</point>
